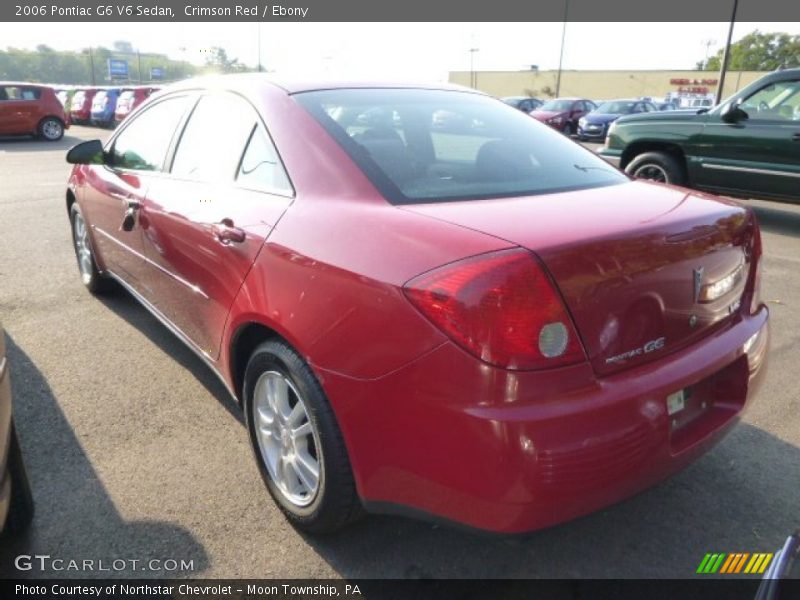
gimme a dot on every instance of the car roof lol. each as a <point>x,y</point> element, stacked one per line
<point>26,84</point>
<point>298,86</point>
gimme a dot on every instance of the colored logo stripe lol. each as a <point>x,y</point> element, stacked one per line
<point>710,563</point>
<point>734,563</point>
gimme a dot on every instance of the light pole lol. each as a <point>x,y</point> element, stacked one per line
<point>258,35</point>
<point>725,54</point>
<point>561,55</point>
<point>473,76</point>
<point>707,44</point>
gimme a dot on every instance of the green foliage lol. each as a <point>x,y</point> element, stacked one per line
<point>46,65</point>
<point>217,61</point>
<point>759,52</point>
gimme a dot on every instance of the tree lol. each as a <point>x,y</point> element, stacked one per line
<point>217,61</point>
<point>759,52</point>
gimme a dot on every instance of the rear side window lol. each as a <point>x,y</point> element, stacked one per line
<point>436,145</point>
<point>261,166</point>
<point>144,142</point>
<point>14,92</point>
<point>31,93</point>
<point>212,143</point>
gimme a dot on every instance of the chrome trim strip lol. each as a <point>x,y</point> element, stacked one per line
<point>750,170</point>
<point>3,364</point>
<point>201,354</point>
<point>191,286</point>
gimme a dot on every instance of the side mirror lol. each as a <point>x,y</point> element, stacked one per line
<point>86,153</point>
<point>734,114</point>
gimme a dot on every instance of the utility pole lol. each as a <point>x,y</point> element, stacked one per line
<point>725,54</point>
<point>139,65</point>
<point>561,55</point>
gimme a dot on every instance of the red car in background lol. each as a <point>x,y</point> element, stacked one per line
<point>131,98</point>
<point>81,106</point>
<point>29,109</point>
<point>563,114</point>
<point>486,324</point>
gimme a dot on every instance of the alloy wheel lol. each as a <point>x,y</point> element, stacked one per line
<point>287,440</point>
<point>651,172</point>
<point>52,129</point>
<point>82,249</point>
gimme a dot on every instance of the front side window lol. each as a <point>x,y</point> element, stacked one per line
<point>213,140</point>
<point>144,142</point>
<point>435,145</point>
<point>777,101</point>
<point>615,108</point>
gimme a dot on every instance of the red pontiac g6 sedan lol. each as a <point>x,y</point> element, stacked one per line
<point>486,324</point>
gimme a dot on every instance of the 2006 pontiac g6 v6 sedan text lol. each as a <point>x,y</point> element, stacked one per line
<point>475,320</point>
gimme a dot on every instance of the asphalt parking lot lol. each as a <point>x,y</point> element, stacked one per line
<point>136,452</point>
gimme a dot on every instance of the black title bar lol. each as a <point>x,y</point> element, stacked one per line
<point>406,10</point>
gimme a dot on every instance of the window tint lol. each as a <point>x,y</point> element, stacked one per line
<point>431,145</point>
<point>261,166</point>
<point>143,144</point>
<point>779,101</point>
<point>214,138</point>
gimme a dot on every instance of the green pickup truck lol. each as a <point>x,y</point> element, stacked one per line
<point>747,146</point>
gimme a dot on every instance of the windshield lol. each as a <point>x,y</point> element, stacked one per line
<point>557,105</point>
<point>98,98</point>
<point>434,145</point>
<point>615,108</point>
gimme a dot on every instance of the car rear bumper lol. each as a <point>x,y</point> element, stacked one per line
<point>450,437</point>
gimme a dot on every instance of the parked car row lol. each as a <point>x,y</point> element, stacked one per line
<point>103,106</point>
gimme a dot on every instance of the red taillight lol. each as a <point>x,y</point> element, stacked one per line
<point>502,308</point>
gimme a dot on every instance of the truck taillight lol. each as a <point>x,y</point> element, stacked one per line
<point>502,308</point>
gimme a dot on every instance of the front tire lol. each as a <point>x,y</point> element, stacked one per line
<point>51,129</point>
<point>82,243</point>
<point>297,442</point>
<point>21,507</point>
<point>657,166</point>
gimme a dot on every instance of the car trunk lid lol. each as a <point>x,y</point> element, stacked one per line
<point>635,263</point>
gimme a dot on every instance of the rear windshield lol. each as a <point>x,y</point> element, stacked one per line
<point>434,145</point>
<point>126,95</point>
<point>99,97</point>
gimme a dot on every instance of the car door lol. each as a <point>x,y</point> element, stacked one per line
<point>135,156</point>
<point>207,221</point>
<point>759,155</point>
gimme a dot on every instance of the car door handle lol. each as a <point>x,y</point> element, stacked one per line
<point>227,233</point>
<point>796,137</point>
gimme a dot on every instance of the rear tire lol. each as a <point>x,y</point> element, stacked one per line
<point>657,166</point>
<point>21,508</point>
<point>330,502</point>
<point>51,129</point>
<point>91,277</point>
